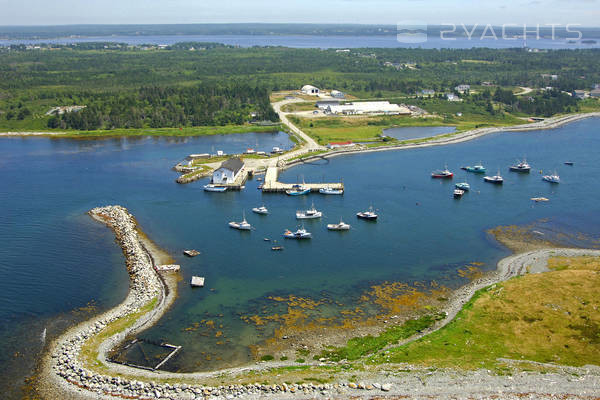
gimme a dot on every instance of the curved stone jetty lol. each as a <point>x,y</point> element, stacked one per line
<point>66,372</point>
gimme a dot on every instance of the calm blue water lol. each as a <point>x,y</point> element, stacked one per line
<point>417,132</point>
<point>324,42</point>
<point>54,258</point>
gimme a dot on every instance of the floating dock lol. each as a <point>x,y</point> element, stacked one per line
<point>197,281</point>
<point>272,185</point>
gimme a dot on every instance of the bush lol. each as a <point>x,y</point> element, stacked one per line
<point>300,360</point>
<point>267,357</point>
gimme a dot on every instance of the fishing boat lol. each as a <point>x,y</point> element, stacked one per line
<point>297,190</point>
<point>262,210</point>
<point>443,174</point>
<point>540,199</point>
<point>277,248</point>
<point>521,166</point>
<point>311,213</point>
<point>342,226</point>
<point>329,190</point>
<point>554,178</point>
<point>463,186</point>
<point>458,193</point>
<point>301,233</point>
<point>214,188</point>
<point>497,179</point>
<point>476,169</point>
<point>242,226</point>
<point>368,215</point>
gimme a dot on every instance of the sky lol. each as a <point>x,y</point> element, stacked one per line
<point>498,12</point>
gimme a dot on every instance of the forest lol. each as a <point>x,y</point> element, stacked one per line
<point>195,84</point>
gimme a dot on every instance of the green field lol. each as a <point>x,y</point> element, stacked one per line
<point>556,322</point>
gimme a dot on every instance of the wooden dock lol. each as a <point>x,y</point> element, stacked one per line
<point>271,184</point>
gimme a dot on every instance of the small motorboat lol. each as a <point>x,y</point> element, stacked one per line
<point>476,169</point>
<point>368,215</point>
<point>571,163</point>
<point>554,178</point>
<point>497,179</point>
<point>242,226</point>
<point>540,199</point>
<point>463,186</point>
<point>214,188</point>
<point>442,174</point>
<point>458,193</point>
<point>259,187</point>
<point>297,190</point>
<point>311,213</point>
<point>262,210</point>
<point>329,190</point>
<point>191,253</point>
<point>277,248</point>
<point>266,239</point>
<point>299,234</point>
<point>342,226</point>
<point>521,166</point>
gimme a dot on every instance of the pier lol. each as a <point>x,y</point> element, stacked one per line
<point>271,183</point>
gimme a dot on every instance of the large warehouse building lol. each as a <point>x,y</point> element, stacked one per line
<point>368,107</point>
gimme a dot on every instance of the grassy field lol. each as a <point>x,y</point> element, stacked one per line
<point>550,317</point>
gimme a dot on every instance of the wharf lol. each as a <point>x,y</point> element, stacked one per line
<point>272,185</point>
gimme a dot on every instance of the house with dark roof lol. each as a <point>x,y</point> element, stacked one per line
<point>228,172</point>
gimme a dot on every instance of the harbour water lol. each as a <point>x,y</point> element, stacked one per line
<point>55,259</point>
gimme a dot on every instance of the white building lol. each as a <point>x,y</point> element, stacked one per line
<point>337,94</point>
<point>368,107</point>
<point>452,97</point>
<point>310,90</point>
<point>228,171</point>
<point>462,88</point>
<point>324,104</point>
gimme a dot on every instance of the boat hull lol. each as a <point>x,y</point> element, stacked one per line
<point>331,192</point>
<point>217,189</point>
<point>494,181</point>
<point>297,192</point>
<point>521,170</point>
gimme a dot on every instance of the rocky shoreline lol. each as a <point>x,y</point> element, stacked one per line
<point>66,373</point>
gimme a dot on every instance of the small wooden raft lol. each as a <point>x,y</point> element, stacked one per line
<point>191,253</point>
<point>197,281</point>
<point>169,267</point>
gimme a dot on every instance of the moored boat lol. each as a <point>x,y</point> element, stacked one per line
<point>214,188</point>
<point>442,174</point>
<point>262,210</point>
<point>332,191</point>
<point>497,179</point>
<point>458,193</point>
<point>311,213</point>
<point>463,186</point>
<point>554,178</point>
<point>540,199</point>
<point>277,248</point>
<point>297,190</point>
<point>521,166</point>
<point>301,233</point>
<point>342,226</point>
<point>243,225</point>
<point>571,163</point>
<point>476,169</point>
<point>368,215</point>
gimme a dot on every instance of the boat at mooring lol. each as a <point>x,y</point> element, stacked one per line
<point>463,186</point>
<point>214,188</point>
<point>297,190</point>
<point>497,179</point>
<point>443,174</point>
<point>301,233</point>
<point>331,191</point>
<point>311,213</point>
<point>458,193</point>
<point>521,166</point>
<point>262,210</point>
<point>554,178</point>
<point>476,169</point>
<point>243,225</point>
<point>342,226</point>
<point>368,215</point>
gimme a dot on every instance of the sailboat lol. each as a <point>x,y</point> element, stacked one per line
<point>242,226</point>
